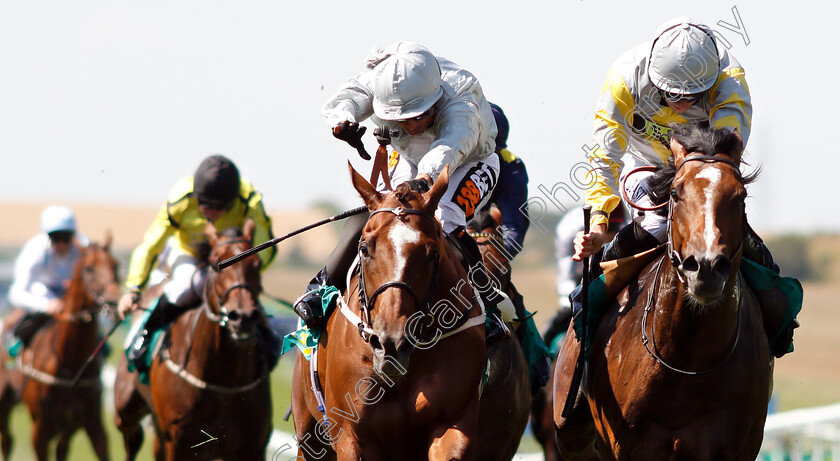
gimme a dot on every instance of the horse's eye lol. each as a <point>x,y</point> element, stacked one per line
<point>363,249</point>
<point>674,195</point>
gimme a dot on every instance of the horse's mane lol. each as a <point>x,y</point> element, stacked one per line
<point>696,139</point>
<point>404,195</point>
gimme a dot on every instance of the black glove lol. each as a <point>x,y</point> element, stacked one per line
<point>418,185</point>
<point>350,132</point>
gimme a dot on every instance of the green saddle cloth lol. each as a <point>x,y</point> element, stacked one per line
<point>757,276</point>
<point>305,338</point>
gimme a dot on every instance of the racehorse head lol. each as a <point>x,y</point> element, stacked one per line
<point>97,277</point>
<point>401,254</point>
<point>706,202</point>
<point>232,295</point>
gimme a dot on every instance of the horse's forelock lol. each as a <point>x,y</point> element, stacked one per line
<point>404,194</point>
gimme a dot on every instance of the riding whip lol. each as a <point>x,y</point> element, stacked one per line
<point>95,353</point>
<point>276,240</point>
<point>577,376</point>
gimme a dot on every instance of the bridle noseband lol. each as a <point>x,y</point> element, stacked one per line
<point>366,303</point>
<point>224,316</point>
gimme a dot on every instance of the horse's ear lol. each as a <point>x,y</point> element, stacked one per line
<point>438,189</point>
<point>248,230</point>
<point>109,239</point>
<point>678,150</point>
<point>211,233</point>
<point>732,145</point>
<point>365,189</point>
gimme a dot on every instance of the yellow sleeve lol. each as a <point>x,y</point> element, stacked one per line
<point>731,103</point>
<point>262,230</point>
<point>615,106</point>
<point>145,255</point>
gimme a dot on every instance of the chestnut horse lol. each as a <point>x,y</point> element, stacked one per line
<point>209,385</point>
<point>506,398</point>
<point>408,300</point>
<point>680,366</point>
<point>46,370</point>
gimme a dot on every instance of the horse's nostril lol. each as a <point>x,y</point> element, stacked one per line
<point>690,264</point>
<point>234,316</point>
<point>722,265</point>
<point>375,343</point>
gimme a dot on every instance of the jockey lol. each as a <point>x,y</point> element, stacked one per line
<point>681,77</point>
<point>215,193</point>
<point>511,192</point>
<point>440,117</point>
<point>43,270</point>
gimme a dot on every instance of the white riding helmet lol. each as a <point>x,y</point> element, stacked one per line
<point>58,218</point>
<point>684,58</point>
<point>406,82</point>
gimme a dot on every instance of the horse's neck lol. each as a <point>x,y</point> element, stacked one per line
<point>681,326</point>
<point>222,360</point>
<point>73,333</point>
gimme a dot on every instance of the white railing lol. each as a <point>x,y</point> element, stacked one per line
<point>808,434</point>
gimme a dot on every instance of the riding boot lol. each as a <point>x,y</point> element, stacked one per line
<point>334,272</point>
<point>773,303</point>
<point>163,311</point>
<point>308,307</point>
<point>756,251</point>
<point>479,277</point>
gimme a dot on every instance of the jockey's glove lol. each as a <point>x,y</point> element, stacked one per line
<point>419,185</point>
<point>350,132</point>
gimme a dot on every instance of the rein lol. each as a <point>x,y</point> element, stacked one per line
<point>366,303</point>
<point>652,346</point>
<point>676,260</point>
<point>222,319</point>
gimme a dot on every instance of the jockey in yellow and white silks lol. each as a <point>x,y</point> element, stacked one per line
<point>682,76</point>
<point>176,241</point>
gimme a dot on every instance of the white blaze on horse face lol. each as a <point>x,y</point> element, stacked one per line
<point>401,235</point>
<point>713,176</point>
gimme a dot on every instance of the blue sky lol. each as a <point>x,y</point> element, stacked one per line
<point>110,102</point>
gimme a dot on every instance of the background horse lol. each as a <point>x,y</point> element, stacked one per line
<point>375,404</point>
<point>506,398</point>
<point>209,386</point>
<point>680,365</point>
<point>44,377</point>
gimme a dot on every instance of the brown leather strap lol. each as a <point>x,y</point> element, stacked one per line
<point>380,167</point>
